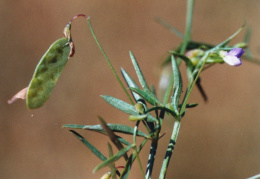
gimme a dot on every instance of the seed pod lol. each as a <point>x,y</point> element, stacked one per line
<point>47,73</point>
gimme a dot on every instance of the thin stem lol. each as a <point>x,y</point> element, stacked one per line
<point>153,149</point>
<point>108,61</point>
<point>176,127</point>
<point>185,100</point>
<point>187,35</point>
<point>151,158</point>
<point>135,149</point>
<point>170,148</point>
<point>139,162</point>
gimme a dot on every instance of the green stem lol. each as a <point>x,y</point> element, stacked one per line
<point>170,148</point>
<point>108,61</point>
<point>187,35</point>
<point>139,162</point>
<point>185,100</point>
<point>176,127</point>
<point>129,163</point>
<point>135,149</point>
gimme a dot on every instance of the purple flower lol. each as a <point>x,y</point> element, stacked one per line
<point>233,56</point>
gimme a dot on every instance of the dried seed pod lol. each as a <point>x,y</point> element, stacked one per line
<point>48,70</point>
<point>47,73</point>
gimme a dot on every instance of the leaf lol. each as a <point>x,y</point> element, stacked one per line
<point>112,165</point>
<point>139,72</point>
<point>192,105</point>
<point>131,83</point>
<point>125,107</point>
<point>129,163</point>
<point>114,127</point>
<point>177,86</point>
<point>111,135</point>
<point>188,63</point>
<point>225,42</point>
<point>90,146</point>
<point>169,27</point>
<point>127,168</point>
<point>148,96</point>
<point>150,118</point>
<point>168,90</point>
<point>113,158</point>
<point>119,104</point>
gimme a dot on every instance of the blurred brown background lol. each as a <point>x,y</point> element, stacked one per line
<point>219,139</point>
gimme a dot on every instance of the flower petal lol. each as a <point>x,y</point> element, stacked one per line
<point>238,52</point>
<point>232,60</point>
<point>20,95</point>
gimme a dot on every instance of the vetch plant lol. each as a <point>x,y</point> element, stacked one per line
<point>144,107</point>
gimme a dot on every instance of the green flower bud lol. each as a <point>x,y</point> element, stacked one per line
<point>195,55</point>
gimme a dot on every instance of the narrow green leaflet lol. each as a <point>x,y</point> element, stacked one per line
<point>123,141</point>
<point>148,96</point>
<point>225,42</point>
<point>136,151</point>
<point>131,83</point>
<point>188,63</point>
<point>169,27</point>
<point>177,86</point>
<point>112,136</point>
<point>90,146</point>
<point>114,127</point>
<point>113,158</point>
<point>142,79</point>
<point>139,73</point>
<point>128,166</point>
<point>129,163</point>
<point>125,107</point>
<point>247,38</point>
<point>119,104</point>
<point>168,91</point>
<point>150,118</point>
<point>112,165</point>
<point>191,105</point>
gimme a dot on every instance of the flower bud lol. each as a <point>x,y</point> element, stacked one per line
<point>139,107</point>
<point>195,55</point>
<point>241,45</point>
